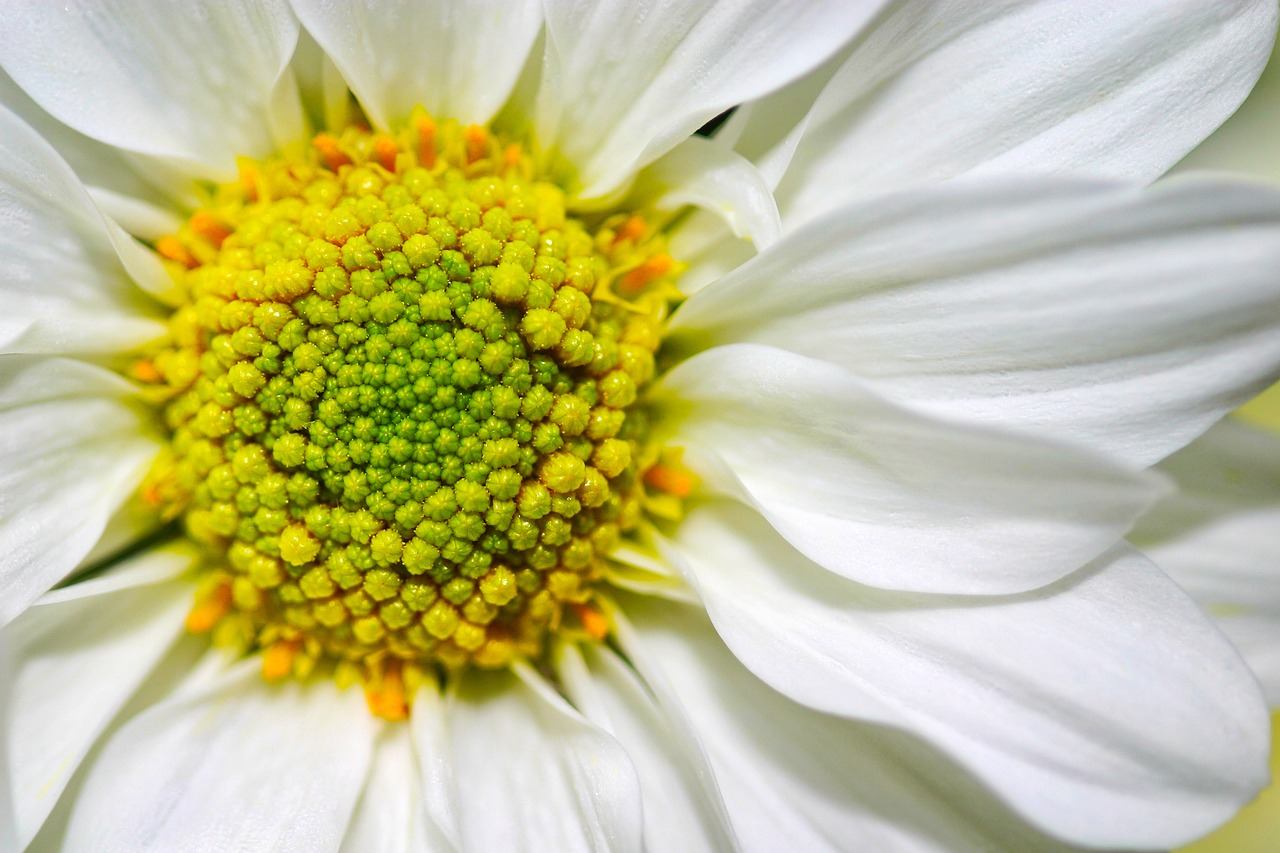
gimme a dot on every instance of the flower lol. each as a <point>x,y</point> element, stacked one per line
<point>881,599</point>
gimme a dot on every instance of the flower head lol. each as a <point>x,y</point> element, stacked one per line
<point>758,491</point>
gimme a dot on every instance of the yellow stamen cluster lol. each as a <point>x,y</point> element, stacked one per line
<point>401,386</point>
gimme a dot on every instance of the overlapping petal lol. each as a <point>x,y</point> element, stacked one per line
<point>440,796</point>
<point>71,452</point>
<point>457,59</point>
<point>193,84</point>
<point>1217,532</point>
<point>622,83</point>
<point>551,779</point>
<point>390,817</point>
<point>936,90</point>
<point>1033,694</point>
<point>234,765</point>
<point>77,657</point>
<point>795,778</point>
<point>1124,320</point>
<point>1216,536</point>
<point>111,176</point>
<point>64,268</point>
<point>889,496</point>
<point>700,174</point>
<point>682,805</point>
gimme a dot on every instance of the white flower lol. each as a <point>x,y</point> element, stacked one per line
<point>899,615</point>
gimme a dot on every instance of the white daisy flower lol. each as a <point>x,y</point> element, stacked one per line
<point>762,492</point>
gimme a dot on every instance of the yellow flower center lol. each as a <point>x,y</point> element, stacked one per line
<point>401,386</point>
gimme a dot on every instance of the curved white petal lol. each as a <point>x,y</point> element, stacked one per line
<point>71,451</point>
<point>1106,709</point>
<point>733,215</point>
<point>713,178</point>
<point>1257,637</point>
<point>194,84</point>
<point>1122,319</point>
<point>644,571</point>
<point>239,765</point>
<point>64,268</point>
<point>936,90</point>
<point>622,83</point>
<point>1247,141</point>
<point>1217,535</point>
<point>458,59</point>
<point>798,779</point>
<point>888,496</point>
<point>324,93</point>
<point>389,817</point>
<point>98,165</point>
<point>682,805</point>
<point>142,219</point>
<point>77,657</point>
<point>429,732</point>
<point>709,248</point>
<point>550,779</point>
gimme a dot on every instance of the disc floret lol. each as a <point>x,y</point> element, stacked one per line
<point>401,384</point>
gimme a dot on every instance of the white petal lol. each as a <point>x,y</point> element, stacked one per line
<point>324,93</point>
<point>143,219</point>
<point>457,59</point>
<point>76,660</point>
<point>389,817</point>
<point>1257,637</point>
<point>887,496</point>
<point>132,522</point>
<point>643,570</point>
<point>623,83</point>
<point>97,164</point>
<point>237,766</point>
<point>429,732</point>
<point>682,805</point>
<point>8,806</point>
<point>709,248</point>
<point>1127,320</point>
<point>1217,535</point>
<point>194,84</point>
<point>1106,709</point>
<point>64,286</point>
<point>71,451</point>
<point>700,173</point>
<point>1083,88</point>
<point>153,565</point>
<point>550,779</point>
<point>797,779</point>
<point>1246,143</point>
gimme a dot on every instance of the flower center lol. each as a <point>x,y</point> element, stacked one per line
<point>401,389</point>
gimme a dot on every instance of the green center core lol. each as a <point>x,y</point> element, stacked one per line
<point>401,386</point>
